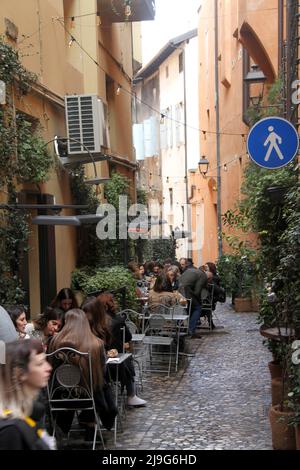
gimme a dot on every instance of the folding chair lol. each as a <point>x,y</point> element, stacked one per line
<point>155,330</point>
<point>71,390</point>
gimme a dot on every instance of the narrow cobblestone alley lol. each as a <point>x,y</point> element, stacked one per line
<point>220,400</point>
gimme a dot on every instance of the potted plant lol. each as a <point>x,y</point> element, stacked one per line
<point>237,276</point>
<point>279,333</point>
<point>282,413</point>
<point>294,393</point>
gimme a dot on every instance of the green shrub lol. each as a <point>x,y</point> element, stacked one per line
<point>237,275</point>
<point>90,279</point>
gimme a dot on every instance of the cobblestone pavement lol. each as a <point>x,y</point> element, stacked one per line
<point>220,400</point>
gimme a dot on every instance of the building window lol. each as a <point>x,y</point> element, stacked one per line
<point>167,71</point>
<point>171,198</point>
<point>246,94</point>
<point>169,127</point>
<point>163,130</point>
<point>182,210</point>
<point>180,59</point>
<point>179,118</point>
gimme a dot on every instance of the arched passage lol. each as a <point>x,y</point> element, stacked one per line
<point>254,46</point>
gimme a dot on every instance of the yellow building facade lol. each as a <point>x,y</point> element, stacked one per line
<point>74,47</point>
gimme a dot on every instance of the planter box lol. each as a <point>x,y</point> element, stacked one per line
<point>255,304</point>
<point>243,304</point>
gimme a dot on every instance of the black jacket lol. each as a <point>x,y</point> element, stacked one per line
<point>116,330</point>
<point>16,434</point>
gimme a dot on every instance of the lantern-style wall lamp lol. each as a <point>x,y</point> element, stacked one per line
<point>253,77</point>
<point>203,165</point>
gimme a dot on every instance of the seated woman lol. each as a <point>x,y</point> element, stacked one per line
<point>162,294</point>
<point>65,300</point>
<point>24,374</point>
<point>46,325</point>
<point>77,334</point>
<point>98,320</point>
<point>18,318</point>
<point>172,274</point>
<point>117,328</point>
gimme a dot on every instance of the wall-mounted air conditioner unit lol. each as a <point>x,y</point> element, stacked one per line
<point>86,118</point>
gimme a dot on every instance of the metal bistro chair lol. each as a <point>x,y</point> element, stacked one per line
<point>68,388</point>
<point>155,329</point>
<point>138,350</point>
<point>207,297</point>
<point>130,315</point>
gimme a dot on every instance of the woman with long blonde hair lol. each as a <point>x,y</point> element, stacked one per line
<point>77,334</point>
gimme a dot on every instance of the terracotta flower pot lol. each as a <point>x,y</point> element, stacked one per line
<point>283,434</point>
<point>275,370</point>
<point>243,304</point>
<point>276,389</point>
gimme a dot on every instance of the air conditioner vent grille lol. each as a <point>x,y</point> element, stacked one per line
<point>84,115</point>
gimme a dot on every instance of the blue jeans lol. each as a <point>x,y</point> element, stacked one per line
<point>195,316</point>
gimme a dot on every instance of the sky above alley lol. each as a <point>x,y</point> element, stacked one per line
<point>173,17</point>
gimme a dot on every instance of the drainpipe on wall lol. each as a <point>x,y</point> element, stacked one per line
<point>188,212</point>
<point>280,35</point>
<point>217,96</point>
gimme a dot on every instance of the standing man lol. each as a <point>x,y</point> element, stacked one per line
<point>191,282</point>
<point>183,264</point>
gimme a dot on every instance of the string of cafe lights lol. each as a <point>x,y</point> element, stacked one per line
<point>224,166</point>
<point>120,88</point>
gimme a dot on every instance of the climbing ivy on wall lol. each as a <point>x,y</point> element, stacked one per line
<point>23,159</point>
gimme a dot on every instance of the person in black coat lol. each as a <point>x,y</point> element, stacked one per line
<point>120,338</point>
<point>191,283</point>
<point>219,291</point>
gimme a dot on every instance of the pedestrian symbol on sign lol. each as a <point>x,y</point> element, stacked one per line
<point>272,142</point>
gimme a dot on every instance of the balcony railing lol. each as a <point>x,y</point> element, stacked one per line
<point>115,11</point>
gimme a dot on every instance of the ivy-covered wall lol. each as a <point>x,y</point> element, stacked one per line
<point>23,159</point>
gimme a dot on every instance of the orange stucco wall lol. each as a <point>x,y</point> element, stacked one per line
<point>262,17</point>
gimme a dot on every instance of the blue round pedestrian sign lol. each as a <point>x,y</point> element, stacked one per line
<point>272,142</point>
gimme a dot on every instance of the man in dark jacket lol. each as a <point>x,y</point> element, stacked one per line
<point>191,283</point>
